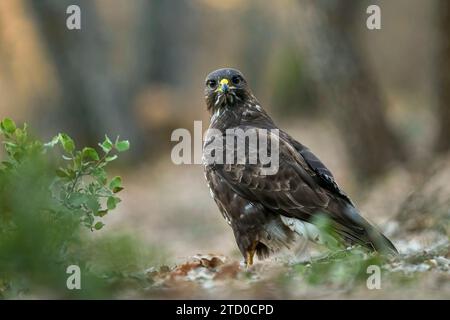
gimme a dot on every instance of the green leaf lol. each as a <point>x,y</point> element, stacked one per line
<point>117,189</point>
<point>77,199</point>
<point>21,136</point>
<point>71,173</point>
<point>10,144</point>
<point>100,175</point>
<point>111,158</point>
<point>8,164</point>
<point>8,125</point>
<point>92,203</point>
<point>101,213</point>
<point>116,182</point>
<point>112,202</point>
<point>99,225</point>
<point>11,148</point>
<point>106,145</point>
<point>67,142</point>
<point>53,142</point>
<point>90,153</point>
<point>78,160</point>
<point>62,173</point>
<point>123,145</point>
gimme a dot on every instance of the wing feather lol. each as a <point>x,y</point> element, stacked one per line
<point>301,188</point>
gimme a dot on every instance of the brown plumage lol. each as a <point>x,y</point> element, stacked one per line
<point>267,212</point>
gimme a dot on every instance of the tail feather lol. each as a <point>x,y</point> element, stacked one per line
<point>350,225</point>
<point>381,242</point>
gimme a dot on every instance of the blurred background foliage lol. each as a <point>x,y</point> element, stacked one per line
<point>374,105</point>
<point>137,69</point>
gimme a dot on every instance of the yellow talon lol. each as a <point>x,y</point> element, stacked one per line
<point>250,254</point>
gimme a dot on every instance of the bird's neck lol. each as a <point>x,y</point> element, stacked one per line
<point>226,116</point>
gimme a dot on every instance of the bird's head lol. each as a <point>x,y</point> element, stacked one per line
<point>225,87</point>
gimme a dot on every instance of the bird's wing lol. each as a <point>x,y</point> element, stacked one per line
<point>294,190</point>
<point>322,174</point>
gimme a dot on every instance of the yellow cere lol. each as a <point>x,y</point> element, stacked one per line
<point>223,81</point>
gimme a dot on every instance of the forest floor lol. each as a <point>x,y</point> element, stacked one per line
<point>169,208</point>
<point>345,275</point>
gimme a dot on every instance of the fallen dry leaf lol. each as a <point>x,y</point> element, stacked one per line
<point>228,271</point>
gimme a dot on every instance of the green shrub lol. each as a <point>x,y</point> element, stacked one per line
<point>49,193</point>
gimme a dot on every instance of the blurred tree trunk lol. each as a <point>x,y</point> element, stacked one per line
<point>96,93</point>
<point>122,49</point>
<point>443,76</point>
<point>328,36</point>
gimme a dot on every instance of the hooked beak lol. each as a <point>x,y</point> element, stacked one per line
<point>223,86</point>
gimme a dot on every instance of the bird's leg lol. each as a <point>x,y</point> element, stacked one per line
<point>249,255</point>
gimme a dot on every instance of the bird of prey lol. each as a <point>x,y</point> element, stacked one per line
<point>268,211</point>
